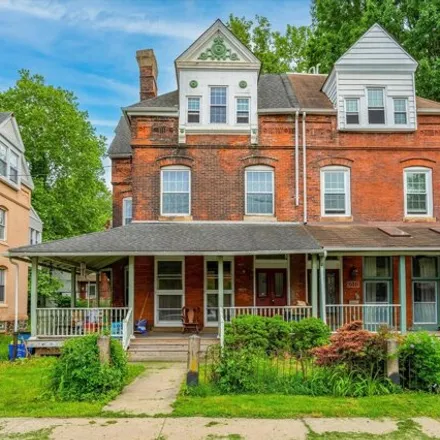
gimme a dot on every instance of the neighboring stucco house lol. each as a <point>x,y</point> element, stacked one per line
<point>295,194</point>
<point>19,223</point>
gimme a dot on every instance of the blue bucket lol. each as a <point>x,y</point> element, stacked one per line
<point>21,351</point>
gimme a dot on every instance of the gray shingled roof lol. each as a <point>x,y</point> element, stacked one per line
<point>171,238</point>
<point>121,142</point>
<point>170,99</point>
<point>274,91</point>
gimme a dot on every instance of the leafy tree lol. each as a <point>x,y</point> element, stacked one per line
<point>277,52</point>
<point>64,155</point>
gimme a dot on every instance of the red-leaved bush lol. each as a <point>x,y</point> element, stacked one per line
<point>353,347</point>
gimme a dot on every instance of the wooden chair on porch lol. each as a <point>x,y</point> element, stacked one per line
<point>191,320</point>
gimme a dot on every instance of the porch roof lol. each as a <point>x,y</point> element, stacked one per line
<point>174,238</point>
<point>378,237</point>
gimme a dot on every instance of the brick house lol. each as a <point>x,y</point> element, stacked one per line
<point>291,194</point>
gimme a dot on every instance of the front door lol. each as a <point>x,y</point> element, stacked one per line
<point>271,287</point>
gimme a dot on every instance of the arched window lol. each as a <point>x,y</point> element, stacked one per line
<point>259,190</point>
<point>335,191</point>
<point>175,189</point>
<point>418,191</point>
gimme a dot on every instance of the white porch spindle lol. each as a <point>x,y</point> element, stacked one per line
<point>314,286</point>
<point>322,289</point>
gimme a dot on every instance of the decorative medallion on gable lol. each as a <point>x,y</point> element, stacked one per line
<point>218,51</point>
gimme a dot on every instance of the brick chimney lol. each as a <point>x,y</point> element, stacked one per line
<point>147,73</point>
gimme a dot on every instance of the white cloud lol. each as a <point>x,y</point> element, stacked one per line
<point>77,13</point>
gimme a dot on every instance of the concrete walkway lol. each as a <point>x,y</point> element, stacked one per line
<point>152,393</point>
<point>198,428</point>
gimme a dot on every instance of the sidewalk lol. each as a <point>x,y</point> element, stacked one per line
<point>198,428</point>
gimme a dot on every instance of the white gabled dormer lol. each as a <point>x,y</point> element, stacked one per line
<point>217,78</point>
<point>372,85</point>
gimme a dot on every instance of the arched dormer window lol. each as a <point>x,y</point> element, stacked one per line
<point>335,191</point>
<point>259,190</point>
<point>175,191</point>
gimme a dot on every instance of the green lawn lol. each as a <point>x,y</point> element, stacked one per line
<point>4,342</point>
<point>398,406</point>
<point>24,386</point>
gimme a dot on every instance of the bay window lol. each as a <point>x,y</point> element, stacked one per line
<point>3,161</point>
<point>169,290</point>
<point>175,191</point>
<point>352,111</point>
<point>13,167</point>
<point>242,110</point>
<point>376,106</point>
<point>193,110</point>
<point>211,288</point>
<point>127,211</point>
<point>218,105</point>
<point>400,111</point>
<point>2,224</point>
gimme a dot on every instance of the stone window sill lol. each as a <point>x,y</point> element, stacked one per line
<point>343,218</point>
<point>259,218</point>
<point>175,218</point>
<point>419,219</point>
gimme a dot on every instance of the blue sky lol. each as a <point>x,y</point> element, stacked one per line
<point>89,46</point>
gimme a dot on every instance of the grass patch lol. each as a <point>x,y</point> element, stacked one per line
<point>274,406</point>
<point>4,343</point>
<point>24,391</point>
<point>41,434</point>
<point>407,430</point>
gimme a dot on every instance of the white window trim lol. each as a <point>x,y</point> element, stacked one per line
<point>405,99</point>
<point>5,237</point>
<point>200,110</point>
<point>352,98</point>
<point>124,202</point>
<point>226,106</point>
<point>175,168</point>
<point>5,271</point>
<point>206,291</point>
<point>347,181</point>
<point>7,178</point>
<point>158,292</point>
<point>259,168</point>
<point>89,285</point>
<point>242,124</point>
<point>429,195</point>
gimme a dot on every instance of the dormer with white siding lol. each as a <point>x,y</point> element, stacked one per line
<point>217,80</point>
<point>372,85</point>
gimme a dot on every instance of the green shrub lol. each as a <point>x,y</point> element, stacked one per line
<point>79,375</point>
<point>419,359</point>
<point>257,333</point>
<point>309,333</point>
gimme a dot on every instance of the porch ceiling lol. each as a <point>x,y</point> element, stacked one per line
<point>377,238</point>
<point>175,238</point>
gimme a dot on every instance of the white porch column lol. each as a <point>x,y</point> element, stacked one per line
<point>73,288</point>
<point>314,286</point>
<point>131,282</point>
<point>402,293</point>
<point>221,301</point>
<point>34,296</point>
<point>322,289</point>
<point>98,288</point>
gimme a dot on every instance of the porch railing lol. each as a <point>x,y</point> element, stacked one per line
<point>373,316</point>
<point>70,322</point>
<point>127,329</point>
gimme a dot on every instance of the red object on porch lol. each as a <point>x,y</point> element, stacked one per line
<point>191,319</point>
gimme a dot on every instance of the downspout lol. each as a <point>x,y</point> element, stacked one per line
<point>17,278</point>
<point>296,158</point>
<point>304,166</point>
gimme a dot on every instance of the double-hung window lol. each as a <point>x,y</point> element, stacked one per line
<point>2,224</point>
<point>176,191</point>
<point>169,290</point>
<point>3,161</point>
<point>127,211</point>
<point>418,192</point>
<point>193,110</point>
<point>335,191</point>
<point>211,283</point>
<point>259,190</point>
<point>13,167</point>
<point>2,285</point>
<point>243,110</point>
<point>425,276</point>
<point>352,111</point>
<point>376,106</point>
<point>400,111</point>
<point>218,105</point>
